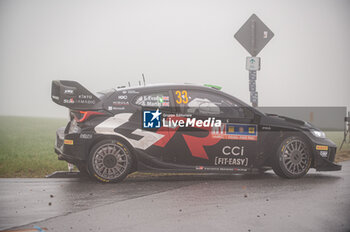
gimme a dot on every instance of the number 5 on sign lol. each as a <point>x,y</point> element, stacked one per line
<point>181,97</point>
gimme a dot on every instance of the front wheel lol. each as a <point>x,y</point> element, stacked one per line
<point>293,158</point>
<point>109,161</point>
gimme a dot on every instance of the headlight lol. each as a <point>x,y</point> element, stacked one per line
<point>318,133</point>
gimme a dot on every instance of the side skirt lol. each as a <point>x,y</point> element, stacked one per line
<point>147,163</point>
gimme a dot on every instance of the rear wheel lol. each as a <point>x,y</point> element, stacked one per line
<point>293,158</point>
<point>109,161</point>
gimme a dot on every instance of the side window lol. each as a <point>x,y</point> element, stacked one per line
<point>204,103</point>
<point>160,99</point>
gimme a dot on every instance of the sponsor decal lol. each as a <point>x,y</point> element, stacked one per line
<point>79,101</point>
<point>82,101</point>
<point>181,97</point>
<point>151,119</point>
<point>235,131</point>
<point>69,91</point>
<point>86,136</point>
<point>138,138</point>
<point>130,91</point>
<point>233,169</point>
<point>68,142</point>
<point>123,97</point>
<point>121,103</point>
<point>231,161</point>
<point>83,96</point>
<point>322,148</point>
<point>143,139</point>
<point>324,154</point>
<point>101,179</point>
<point>68,101</point>
<point>116,108</point>
<point>236,150</point>
<point>195,144</point>
<point>237,160</point>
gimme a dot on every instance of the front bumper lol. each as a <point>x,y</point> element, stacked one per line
<point>326,165</point>
<point>324,162</point>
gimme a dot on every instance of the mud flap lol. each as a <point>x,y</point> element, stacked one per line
<point>64,174</point>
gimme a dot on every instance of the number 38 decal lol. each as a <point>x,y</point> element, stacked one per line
<point>181,97</point>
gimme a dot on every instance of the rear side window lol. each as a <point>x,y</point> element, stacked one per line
<point>202,103</point>
<point>158,99</point>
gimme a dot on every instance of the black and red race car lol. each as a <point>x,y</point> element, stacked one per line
<point>181,128</point>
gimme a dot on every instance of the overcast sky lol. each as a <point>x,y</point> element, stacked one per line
<point>102,44</point>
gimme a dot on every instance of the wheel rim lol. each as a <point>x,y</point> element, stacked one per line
<point>110,161</point>
<point>295,157</point>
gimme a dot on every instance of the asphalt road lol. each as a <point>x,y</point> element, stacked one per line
<point>317,202</point>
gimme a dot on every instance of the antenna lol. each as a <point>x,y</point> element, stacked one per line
<point>144,81</point>
<point>129,83</point>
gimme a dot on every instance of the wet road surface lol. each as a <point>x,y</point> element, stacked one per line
<point>317,202</point>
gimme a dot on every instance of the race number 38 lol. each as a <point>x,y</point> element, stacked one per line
<point>181,97</point>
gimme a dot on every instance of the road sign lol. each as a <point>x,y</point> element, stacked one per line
<point>254,98</point>
<point>252,75</point>
<point>254,35</point>
<point>252,63</point>
<point>252,86</point>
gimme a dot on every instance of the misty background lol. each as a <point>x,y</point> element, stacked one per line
<point>103,44</point>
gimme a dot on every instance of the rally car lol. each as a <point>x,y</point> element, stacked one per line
<point>181,128</point>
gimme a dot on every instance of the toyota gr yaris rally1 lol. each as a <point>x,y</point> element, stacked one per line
<point>181,128</point>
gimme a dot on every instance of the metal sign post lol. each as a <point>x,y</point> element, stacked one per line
<point>346,130</point>
<point>253,36</point>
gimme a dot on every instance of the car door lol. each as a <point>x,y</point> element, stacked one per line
<point>241,135</point>
<point>195,143</point>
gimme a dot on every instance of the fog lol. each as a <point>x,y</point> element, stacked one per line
<point>102,44</point>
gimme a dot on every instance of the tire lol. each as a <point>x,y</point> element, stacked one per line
<point>293,158</point>
<point>109,161</point>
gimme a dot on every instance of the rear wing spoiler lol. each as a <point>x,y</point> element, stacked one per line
<point>73,95</point>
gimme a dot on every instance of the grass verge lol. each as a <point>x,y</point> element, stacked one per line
<point>27,146</point>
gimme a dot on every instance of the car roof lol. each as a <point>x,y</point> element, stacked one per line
<point>163,86</point>
<point>167,86</point>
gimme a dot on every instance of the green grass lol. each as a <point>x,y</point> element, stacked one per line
<point>337,137</point>
<point>27,146</point>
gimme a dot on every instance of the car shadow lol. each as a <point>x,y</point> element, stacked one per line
<point>152,177</point>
